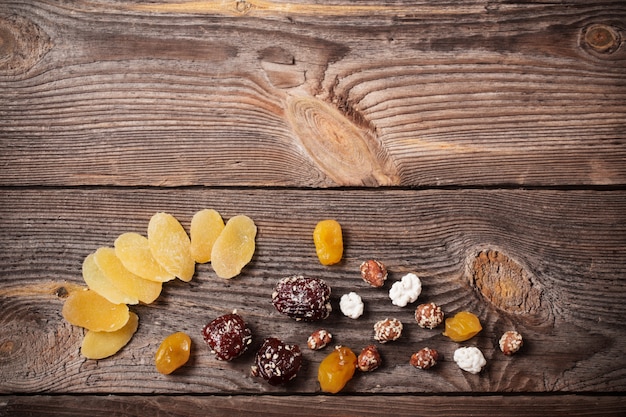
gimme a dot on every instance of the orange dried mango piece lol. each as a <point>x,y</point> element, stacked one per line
<point>328,240</point>
<point>97,281</point>
<point>234,247</point>
<point>206,226</point>
<point>88,309</point>
<point>170,245</point>
<point>144,290</point>
<point>463,326</point>
<point>100,345</point>
<point>173,353</point>
<point>133,250</point>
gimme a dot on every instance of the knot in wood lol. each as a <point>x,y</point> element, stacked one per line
<point>22,45</point>
<point>505,283</point>
<point>601,38</point>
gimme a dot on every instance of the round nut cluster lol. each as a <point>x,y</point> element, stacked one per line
<point>319,339</point>
<point>429,315</point>
<point>374,273</point>
<point>387,330</point>
<point>425,358</point>
<point>511,342</point>
<point>369,359</point>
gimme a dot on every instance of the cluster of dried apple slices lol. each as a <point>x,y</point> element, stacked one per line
<point>134,270</point>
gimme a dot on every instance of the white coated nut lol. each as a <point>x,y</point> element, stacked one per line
<point>470,359</point>
<point>351,305</point>
<point>406,290</point>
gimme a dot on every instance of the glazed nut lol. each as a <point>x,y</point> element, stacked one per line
<point>425,358</point>
<point>387,330</point>
<point>429,315</point>
<point>511,342</point>
<point>319,339</point>
<point>369,359</point>
<point>374,273</point>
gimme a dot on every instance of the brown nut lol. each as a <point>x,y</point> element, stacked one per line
<point>387,330</point>
<point>429,315</point>
<point>511,342</point>
<point>369,359</point>
<point>425,358</point>
<point>374,273</point>
<point>319,339</point>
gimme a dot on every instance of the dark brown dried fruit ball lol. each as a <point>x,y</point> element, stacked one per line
<point>429,315</point>
<point>426,358</point>
<point>302,298</point>
<point>227,336</point>
<point>277,362</point>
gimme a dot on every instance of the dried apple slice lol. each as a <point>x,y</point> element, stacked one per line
<point>100,345</point>
<point>133,250</point>
<point>100,283</point>
<point>144,290</point>
<point>88,309</point>
<point>206,226</point>
<point>170,244</point>
<point>234,247</point>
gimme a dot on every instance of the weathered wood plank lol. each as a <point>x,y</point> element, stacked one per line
<point>377,93</point>
<point>548,263</point>
<point>563,405</point>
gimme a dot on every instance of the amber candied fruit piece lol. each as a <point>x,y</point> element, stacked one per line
<point>173,353</point>
<point>328,240</point>
<point>100,345</point>
<point>133,250</point>
<point>206,226</point>
<point>463,326</point>
<point>336,369</point>
<point>170,245</point>
<point>97,281</point>
<point>234,247</point>
<point>144,290</point>
<point>88,309</point>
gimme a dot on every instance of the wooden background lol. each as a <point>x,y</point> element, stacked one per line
<point>480,144</point>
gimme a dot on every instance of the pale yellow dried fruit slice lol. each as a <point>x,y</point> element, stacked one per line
<point>144,290</point>
<point>100,345</point>
<point>100,283</point>
<point>206,226</point>
<point>170,244</point>
<point>234,247</point>
<point>133,250</point>
<point>88,309</point>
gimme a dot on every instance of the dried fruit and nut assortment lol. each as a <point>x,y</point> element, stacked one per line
<point>135,268</point>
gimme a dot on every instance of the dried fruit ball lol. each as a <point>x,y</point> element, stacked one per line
<point>227,336</point>
<point>511,342</point>
<point>277,362</point>
<point>336,369</point>
<point>369,359</point>
<point>302,298</point>
<point>169,244</point>
<point>328,241</point>
<point>173,353</point>
<point>100,345</point>
<point>319,339</point>
<point>206,226</point>
<point>234,247</point>
<point>425,358</point>
<point>463,326</point>
<point>374,273</point>
<point>429,315</point>
<point>387,330</point>
<point>88,309</point>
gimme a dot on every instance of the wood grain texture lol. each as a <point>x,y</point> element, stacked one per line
<point>428,93</point>
<point>242,406</point>
<point>563,251</point>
